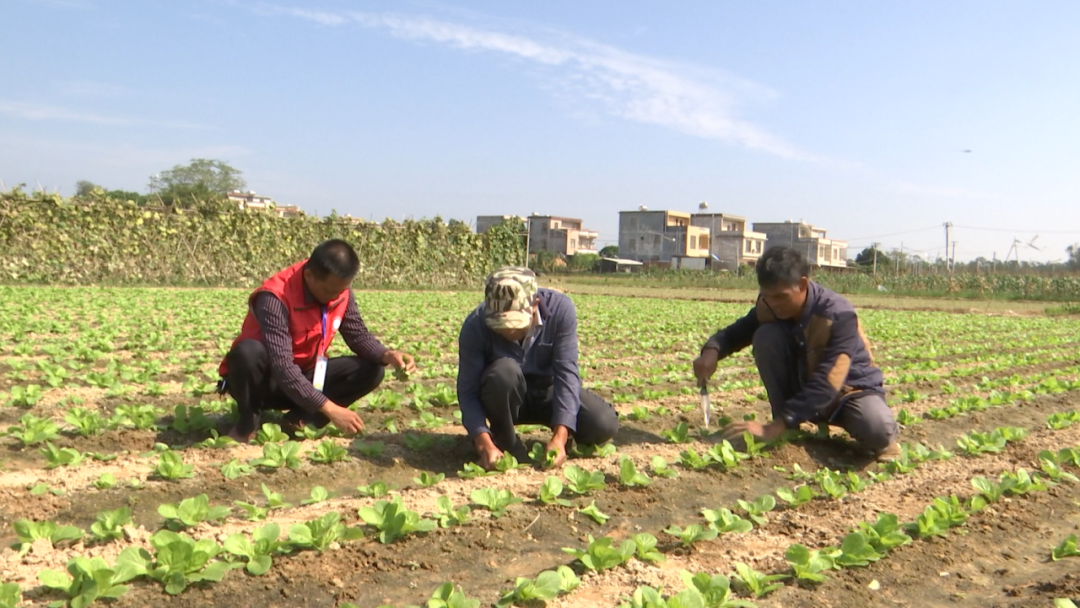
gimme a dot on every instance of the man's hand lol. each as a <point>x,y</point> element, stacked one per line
<point>343,418</point>
<point>705,364</point>
<point>399,360</point>
<point>488,452</point>
<point>558,444</point>
<point>763,432</point>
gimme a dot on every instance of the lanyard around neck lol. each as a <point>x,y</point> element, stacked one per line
<point>323,341</point>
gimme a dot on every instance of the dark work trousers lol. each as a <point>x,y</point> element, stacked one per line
<point>509,398</point>
<point>252,383</point>
<point>864,415</point>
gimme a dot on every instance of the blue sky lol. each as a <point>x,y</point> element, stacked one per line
<point>853,116</point>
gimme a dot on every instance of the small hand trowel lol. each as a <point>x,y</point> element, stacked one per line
<point>705,401</point>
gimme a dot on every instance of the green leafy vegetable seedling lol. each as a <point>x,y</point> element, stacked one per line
<point>629,476</point>
<point>724,521</point>
<point>581,481</point>
<point>394,521</point>
<point>449,515</point>
<point>318,494</point>
<point>601,555</point>
<point>551,491</point>
<point>494,500</point>
<point>191,512</point>
<point>592,511</point>
<point>426,480</point>
<point>1067,548</point>
<point>757,583</point>
<point>691,534</point>
<point>109,525</point>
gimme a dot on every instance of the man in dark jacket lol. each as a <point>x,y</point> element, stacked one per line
<point>812,356</point>
<point>279,362</point>
<point>517,364</point>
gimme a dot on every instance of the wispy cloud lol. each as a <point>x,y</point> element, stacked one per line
<point>36,111</point>
<point>87,89</point>
<point>940,191</point>
<point>699,102</point>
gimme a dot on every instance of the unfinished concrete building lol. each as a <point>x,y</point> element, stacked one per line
<point>812,242</point>
<point>662,237</point>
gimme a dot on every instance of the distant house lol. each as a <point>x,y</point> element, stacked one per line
<point>288,211</point>
<point>661,237</point>
<point>485,222</point>
<point>250,201</point>
<point>562,235</point>
<point>619,265</point>
<point>731,244</point>
<point>812,242</point>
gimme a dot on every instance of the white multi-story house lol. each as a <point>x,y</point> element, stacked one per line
<point>732,245</point>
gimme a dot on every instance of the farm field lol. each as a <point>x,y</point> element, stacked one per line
<point>108,412</point>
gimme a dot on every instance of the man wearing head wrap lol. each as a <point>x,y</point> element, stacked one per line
<point>517,364</point>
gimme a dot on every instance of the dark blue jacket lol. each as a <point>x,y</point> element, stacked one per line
<point>831,342</point>
<point>552,359</point>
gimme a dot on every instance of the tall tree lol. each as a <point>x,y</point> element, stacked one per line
<point>866,258</point>
<point>85,188</point>
<point>1074,255</point>
<point>201,179</point>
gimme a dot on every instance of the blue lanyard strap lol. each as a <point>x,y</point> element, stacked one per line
<point>323,341</point>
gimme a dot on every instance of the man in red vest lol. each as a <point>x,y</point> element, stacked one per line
<point>279,362</point>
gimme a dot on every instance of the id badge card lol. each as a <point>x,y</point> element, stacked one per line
<point>319,380</point>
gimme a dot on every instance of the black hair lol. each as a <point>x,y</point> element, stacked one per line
<point>334,257</point>
<point>781,266</point>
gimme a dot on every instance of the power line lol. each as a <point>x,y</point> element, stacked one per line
<point>881,236</point>
<point>1018,231</point>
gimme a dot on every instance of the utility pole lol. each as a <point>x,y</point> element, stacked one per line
<point>876,245</point>
<point>899,256</point>
<point>952,263</point>
<point>948,237</point>
<point>528,234</point>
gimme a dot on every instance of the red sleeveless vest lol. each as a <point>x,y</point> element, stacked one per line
<point>305,318</point>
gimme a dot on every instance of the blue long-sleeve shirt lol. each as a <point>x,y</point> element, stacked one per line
<point>831,342</point>
<point>553,356</point>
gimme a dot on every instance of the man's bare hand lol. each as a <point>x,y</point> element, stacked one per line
<point>762,432</point>
<point>399,360</point>
<point>344,419</point>
<point>487,451</point>
<point>558,444</point>
<point>705,364</point>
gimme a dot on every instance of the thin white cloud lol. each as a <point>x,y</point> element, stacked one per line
<point>36,111</point>
<point>87,89</point>
<point>320,17</point>
<point>940,191</point>
<point>633,87</point>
